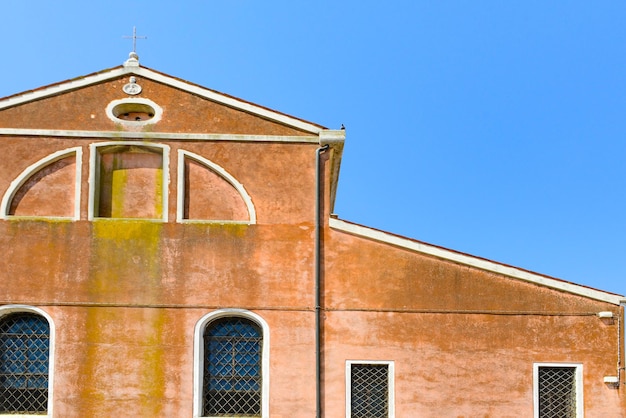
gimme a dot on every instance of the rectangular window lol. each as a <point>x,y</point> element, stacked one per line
<point>558,390</point>
<point>369,389</point>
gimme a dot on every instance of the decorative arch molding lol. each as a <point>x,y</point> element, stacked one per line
<point>198,356</point>
<point>33,169</point>
<point>9,309</point>
<point>219,171</point>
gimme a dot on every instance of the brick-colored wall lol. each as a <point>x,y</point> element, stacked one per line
<point>125,294</point>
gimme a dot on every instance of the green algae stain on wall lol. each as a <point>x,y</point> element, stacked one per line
<point>92,393</point>
<point>119,178</point>
<point>158,193</point>
<point>234,230</point>
<point>153,362</point>
<point>124,335</point>
<point>124,362</point>
<point>130,183</point>
<point>126,258</point>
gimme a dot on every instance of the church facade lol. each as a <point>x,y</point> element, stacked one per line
<point>171,251</point>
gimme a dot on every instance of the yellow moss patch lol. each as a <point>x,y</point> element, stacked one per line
<point>126,261</point>
<point>154,363</point>
<point>127,229</point>
<point>119,179</point>
<point>237,230</point>
<point>158,193</point>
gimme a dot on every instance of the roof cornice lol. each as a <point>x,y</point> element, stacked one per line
<point>161,136</point>
<point>117,72</point>
<point>335,139</point>
<point>468,260</point>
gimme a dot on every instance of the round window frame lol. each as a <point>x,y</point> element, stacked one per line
<point>130,105</point>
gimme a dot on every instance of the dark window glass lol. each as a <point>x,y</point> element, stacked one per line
<point>557,392</point>
<point>232,368</point>
<point>369,391</point>
<point>24,360</point>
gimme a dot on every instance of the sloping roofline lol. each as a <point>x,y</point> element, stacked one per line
<point>473,261</point>
<point>126,69</point>
<point>333,138</point>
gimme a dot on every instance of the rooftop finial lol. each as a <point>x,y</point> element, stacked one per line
<point>134,37</point>
<point>133,58</point>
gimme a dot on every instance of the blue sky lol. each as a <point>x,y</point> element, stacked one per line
<point>492,128</point>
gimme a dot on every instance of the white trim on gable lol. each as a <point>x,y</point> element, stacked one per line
<point>471,261</point>
<point>167,80</point>
<point>164,136</point>
<point>63,87</point>
<point>229,101</point>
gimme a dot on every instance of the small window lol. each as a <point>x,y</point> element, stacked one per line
<point>134,112</point>
<point>558,391</point>
<point>232,368</point>
<point>24,363</point>
<point>369,389</point>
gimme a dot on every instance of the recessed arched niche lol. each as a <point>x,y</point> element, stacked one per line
<point>129,180</point>
<point>49,188</point>
<point>207,192</point>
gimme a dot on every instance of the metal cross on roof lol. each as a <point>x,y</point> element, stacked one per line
<point>134,38</point>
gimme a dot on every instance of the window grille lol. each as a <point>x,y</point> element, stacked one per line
<point>232,368</point>
<point>369,392</point>
<point>557,392</point>
<point>24,361</point>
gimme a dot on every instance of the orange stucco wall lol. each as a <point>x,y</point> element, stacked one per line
<point>463,341</point>
<point>126,294</point>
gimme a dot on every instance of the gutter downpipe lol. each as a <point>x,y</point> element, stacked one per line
<point>621,347</point>
<point>317,261</point>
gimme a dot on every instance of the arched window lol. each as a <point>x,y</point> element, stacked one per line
<point>232,368</point>
<point>24,363</point>
<point>232,365</point>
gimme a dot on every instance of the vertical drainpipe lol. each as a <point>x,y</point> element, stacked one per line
<point>621,345</point>
<point>317,261</point>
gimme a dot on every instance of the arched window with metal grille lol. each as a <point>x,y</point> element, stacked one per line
<point>232,368</point>
<point>24,363</point>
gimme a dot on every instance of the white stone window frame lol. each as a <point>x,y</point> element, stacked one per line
<point>219,170</point>
<point>158,111</point>
<point>94,175</point>
<point>31,170</point>
<point>391,383</point>
<point>9,309</point>
<point>198,357</point>
<point>580,410</point>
